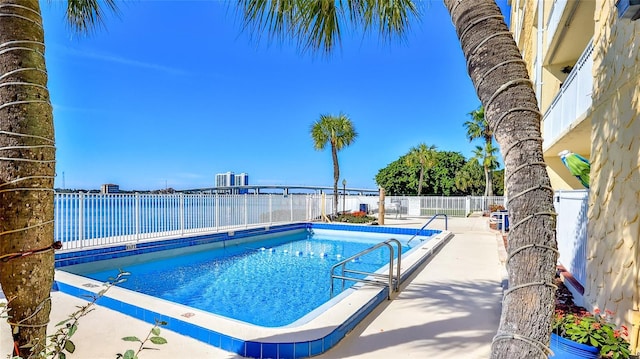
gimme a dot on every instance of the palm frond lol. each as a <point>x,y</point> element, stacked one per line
<point>277,18</point>
<point>317,26</point>
<point>320,25</point>
<point>84,15</point>
<point>391,17</point>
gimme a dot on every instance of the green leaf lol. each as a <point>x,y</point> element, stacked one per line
<point>155,331</point>
<point>62,322</point>
<point>72,330</point>
<point>62,355</point>
<point>158,340</point>
<point>69,346</point>
<point>131,339</point>
<point>129,354</point>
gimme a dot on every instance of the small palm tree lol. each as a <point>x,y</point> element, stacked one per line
<point>478,127</point>
<point>487,158</point>
<point>338,132</point>
<point>424,156</point>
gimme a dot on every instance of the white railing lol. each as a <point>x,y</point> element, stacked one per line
<point>571,231</point>
<point>426,206</point>
<point>85,220</point>
<point>572,101</point>
<point>555,16</point>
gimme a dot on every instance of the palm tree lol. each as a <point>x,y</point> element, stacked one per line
<point>468,180</point>
<point>502,83</point>
<point>27,165</point>
<point>478,127</point>
<point>338,131</point>
<point>423,156</point>
<point>486,156</point>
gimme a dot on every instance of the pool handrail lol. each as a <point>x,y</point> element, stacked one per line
<point>446,225</point>
<point>390,277</point>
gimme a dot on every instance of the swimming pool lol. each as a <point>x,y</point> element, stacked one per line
<point>286,338</point>
<point>270,283</point>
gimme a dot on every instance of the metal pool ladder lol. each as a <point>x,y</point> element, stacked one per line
<point>384,280</point>
<point>446,225</point>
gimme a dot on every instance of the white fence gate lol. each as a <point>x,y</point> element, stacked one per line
<point>571,231</point>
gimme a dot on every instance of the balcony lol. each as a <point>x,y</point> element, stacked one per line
<point>569,27</point>
<point>571,105</point>
<point>553,22</point>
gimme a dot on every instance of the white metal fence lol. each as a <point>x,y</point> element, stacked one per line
<point>85,220</point>
<point>571,231</point>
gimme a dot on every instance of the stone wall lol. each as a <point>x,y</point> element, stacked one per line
<point>614,224</point>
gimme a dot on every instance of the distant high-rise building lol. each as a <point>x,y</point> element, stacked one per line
<point>242,179</point>
<point>225,179</point>
<point>229,179</point>
<point>109,188</point>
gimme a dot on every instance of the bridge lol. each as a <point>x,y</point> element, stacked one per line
<point>284,189</point>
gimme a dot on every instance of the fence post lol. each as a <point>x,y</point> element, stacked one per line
<point>467,205</point>
<point>381,207</point>
<point>181,213</point>
<point>270,207</point>
<point>81,218</point>
<point>136,209</point>
<point>291,206</point>
<point>216,210</point>
<point>246,212</point>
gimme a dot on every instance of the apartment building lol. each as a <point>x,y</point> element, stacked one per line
<point>584,61</point>
<point>109,188</point>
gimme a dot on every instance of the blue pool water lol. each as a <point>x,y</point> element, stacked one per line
<point>268,283</point>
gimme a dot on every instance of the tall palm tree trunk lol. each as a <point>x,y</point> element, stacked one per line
<point>27,170</point>
<point>420,180</point>
<point>489,174</point>
<point>487,182</point>
<point>336,176</point>
<point>499,74</point>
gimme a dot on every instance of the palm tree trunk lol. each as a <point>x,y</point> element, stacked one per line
<point>487,182</point>
<point>336,176</point>
<point>490,183</point>
<point>27,170</point>
<point>489,174</point>
<point>420,181</point>
<point>500,76</point>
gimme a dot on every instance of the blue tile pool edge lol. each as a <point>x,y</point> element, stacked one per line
<point>246,348</point>
<point>264,349</point>
<point>79,256</point>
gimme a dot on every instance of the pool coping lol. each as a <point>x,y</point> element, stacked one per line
<point>310,338</point>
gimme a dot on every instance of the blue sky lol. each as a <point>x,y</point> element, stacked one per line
<point>169,93</point>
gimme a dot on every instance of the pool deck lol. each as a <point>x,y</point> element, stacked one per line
<point>450,309</point>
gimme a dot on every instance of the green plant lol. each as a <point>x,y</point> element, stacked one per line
<point>594,329</point>
<point>59,344</point>
<point>353,217</point>
<point>153,336</point>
